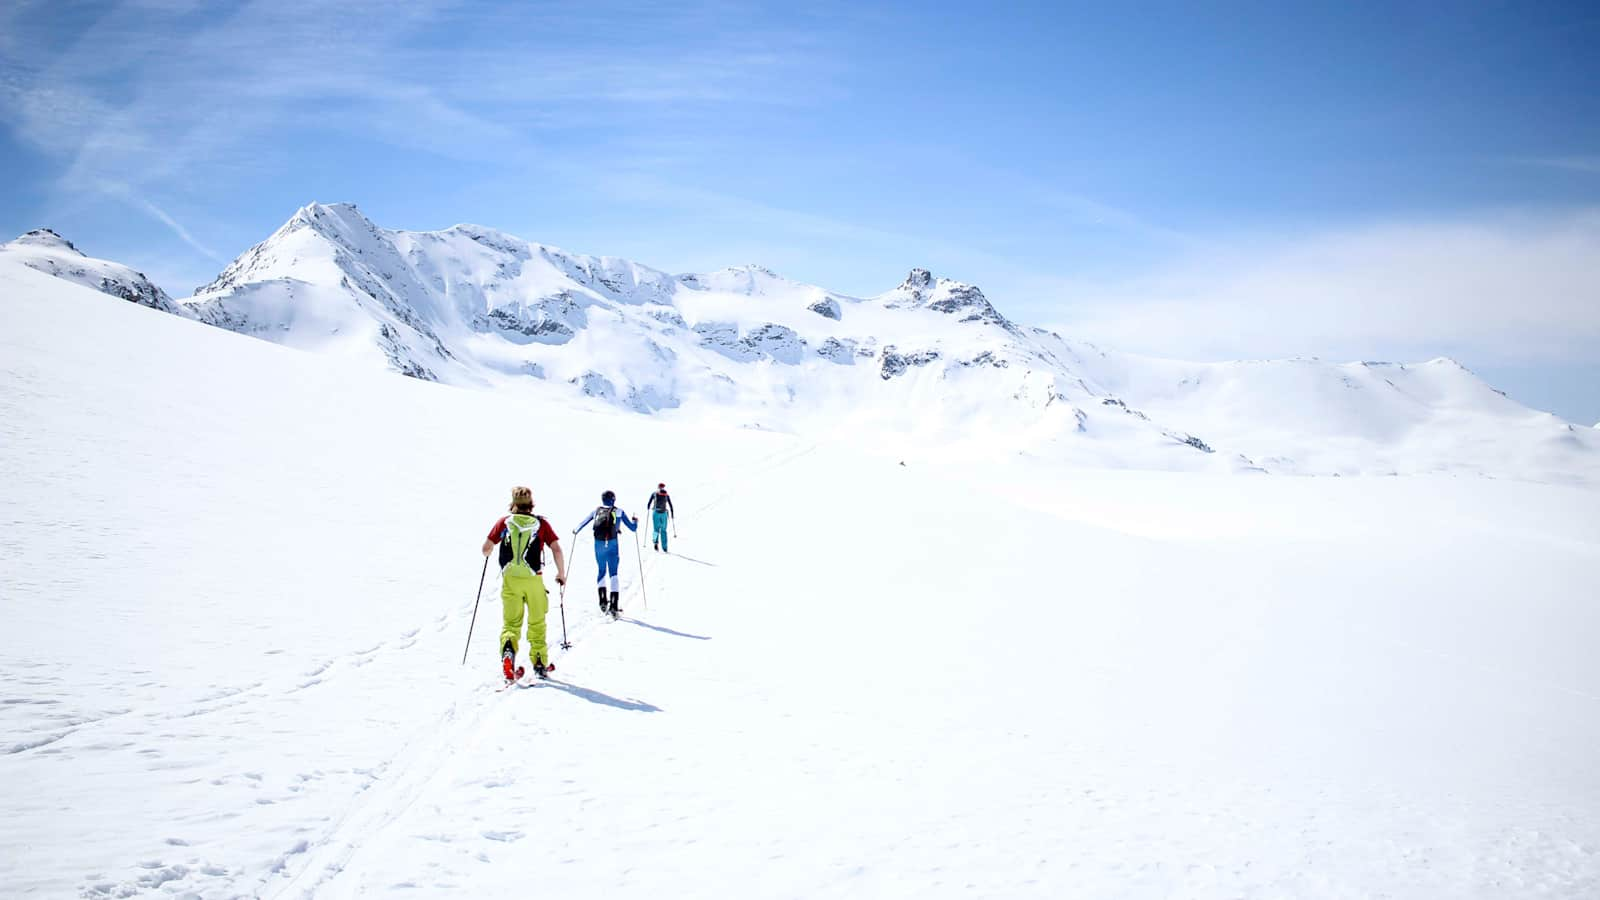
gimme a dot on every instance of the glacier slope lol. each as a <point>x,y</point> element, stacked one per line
<point>238,579</point>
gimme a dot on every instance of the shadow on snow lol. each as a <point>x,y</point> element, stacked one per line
<point>600,697</point>
<point>664,630</point>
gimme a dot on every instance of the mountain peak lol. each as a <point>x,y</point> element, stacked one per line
<point>922,290</point>
<point>47,238</point>
<point>337,221</point>
<point>339,227</point>
<point>313,211</point>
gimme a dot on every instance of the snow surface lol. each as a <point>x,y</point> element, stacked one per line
<point>237,580</point>
<point>928,362</point>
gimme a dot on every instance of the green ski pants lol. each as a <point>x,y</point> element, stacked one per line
<point>519,593</point>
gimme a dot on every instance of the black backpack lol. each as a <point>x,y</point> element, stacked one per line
<point>605,523</point>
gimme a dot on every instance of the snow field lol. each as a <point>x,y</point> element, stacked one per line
<point>238,578</point>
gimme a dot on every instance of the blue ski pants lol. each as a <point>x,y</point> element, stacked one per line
<point>606,559</point>
<point>659,536</point>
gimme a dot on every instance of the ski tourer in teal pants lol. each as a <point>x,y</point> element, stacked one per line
<point>660,511</point>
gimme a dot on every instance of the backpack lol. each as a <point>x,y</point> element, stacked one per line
<point>520,550</point>
<point>605,523</point>
<point>660,502</point>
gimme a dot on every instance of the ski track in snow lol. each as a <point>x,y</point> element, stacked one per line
<point>310,866</point>
<point>416,768</point>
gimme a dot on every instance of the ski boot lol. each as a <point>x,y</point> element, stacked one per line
<point>601,590</point>
<point>508,663</point>
<point>539,668</point>
<point>616,611</point>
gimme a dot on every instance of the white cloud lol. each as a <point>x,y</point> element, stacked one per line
<point>1504,289</point>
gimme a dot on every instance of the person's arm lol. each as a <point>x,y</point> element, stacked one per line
<point>547,533</point>
<point>670,511</point>
<point>561,561</point>
<point>583,523</point>
<point>494,537</point>
<point>632,525</point>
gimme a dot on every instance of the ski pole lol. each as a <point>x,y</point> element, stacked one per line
<point>639,555</point>
<point>565,644</point>
<point>475,601</point>
<point>674,526</point>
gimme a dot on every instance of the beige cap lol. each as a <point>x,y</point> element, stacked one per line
<point>521,499</point>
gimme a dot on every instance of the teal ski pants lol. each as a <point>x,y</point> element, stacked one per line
<point>659,535</point>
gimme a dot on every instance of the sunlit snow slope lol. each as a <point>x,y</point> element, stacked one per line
<point>237,580</point>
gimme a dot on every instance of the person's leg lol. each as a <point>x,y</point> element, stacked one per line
<point>511,608</point>
<point>608,568</point>
<point>613,561</point>
<point>538,607</point>
<point>600,572</point>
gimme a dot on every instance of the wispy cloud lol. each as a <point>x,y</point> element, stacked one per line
<point>148,94</point>
<point>177,228</point>
<point>1501,289</point>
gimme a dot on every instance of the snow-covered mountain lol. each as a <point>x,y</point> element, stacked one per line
<point>48,252</point>
<point>930,362</point>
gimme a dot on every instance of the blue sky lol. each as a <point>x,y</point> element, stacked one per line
<point>1236,180</point>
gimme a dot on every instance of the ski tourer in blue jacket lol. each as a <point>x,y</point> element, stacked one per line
<point>606,518</point>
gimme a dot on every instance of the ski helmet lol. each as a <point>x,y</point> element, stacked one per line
<point>608,498</point>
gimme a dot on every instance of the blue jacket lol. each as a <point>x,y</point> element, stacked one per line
<point>621,516</point>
